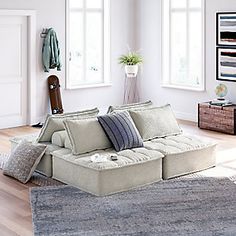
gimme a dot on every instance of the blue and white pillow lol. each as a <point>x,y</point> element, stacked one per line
<point>121,131</point>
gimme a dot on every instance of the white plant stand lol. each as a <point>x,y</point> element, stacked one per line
<point>131,90</point>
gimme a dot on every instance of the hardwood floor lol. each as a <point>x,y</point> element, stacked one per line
<point>15,212</point>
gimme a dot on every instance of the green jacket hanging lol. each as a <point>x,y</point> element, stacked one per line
<point>51,52</point>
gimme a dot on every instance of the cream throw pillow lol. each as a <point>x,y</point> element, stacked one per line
<point>86,136</point>
<point>156,122</point>
<point>54,123</point>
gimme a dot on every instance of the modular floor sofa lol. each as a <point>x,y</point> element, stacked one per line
<point>172,155</point>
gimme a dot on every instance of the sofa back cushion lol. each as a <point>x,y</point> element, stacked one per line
<point>86,135</point>
<point>156,122</point>
<point>121,130</point>
<point>127,107</point>
<point>54,123</point>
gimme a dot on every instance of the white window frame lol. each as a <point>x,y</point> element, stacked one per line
<point>166,54</point>
<point>106,66</point>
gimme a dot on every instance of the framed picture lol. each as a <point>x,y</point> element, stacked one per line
<point>226,28</point>
<point>226,64</point>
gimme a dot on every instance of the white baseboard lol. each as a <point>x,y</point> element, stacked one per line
<point>36,120</point>
<point>186,116</point>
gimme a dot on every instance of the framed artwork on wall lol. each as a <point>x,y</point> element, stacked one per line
<point>226,28</point>
<point>226,64</point>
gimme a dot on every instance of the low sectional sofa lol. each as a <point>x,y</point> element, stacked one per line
<point>166,152</point>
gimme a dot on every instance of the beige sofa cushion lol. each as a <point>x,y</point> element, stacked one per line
<point>86,135</point>
<point>184,154</point>
<point>155,122</point>
<point>67,143</point>
<point>127,107</point>
<point>54,123</point>
<point>133,168</point>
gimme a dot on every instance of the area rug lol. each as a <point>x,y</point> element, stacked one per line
<point>200,206</point>
<point>37,178</point>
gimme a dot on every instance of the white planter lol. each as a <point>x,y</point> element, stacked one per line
<point>131,71</point>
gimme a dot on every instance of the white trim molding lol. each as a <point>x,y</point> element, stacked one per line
<point>31,60</point>
<point>185,116</point>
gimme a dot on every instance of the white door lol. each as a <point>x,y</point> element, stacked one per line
<point>13,71</point>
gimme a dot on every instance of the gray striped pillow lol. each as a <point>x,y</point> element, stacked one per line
<point>121,131</point>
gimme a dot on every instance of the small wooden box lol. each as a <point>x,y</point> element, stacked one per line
<point>217,118</point>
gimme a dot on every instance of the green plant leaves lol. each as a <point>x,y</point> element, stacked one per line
<point>130,59</point>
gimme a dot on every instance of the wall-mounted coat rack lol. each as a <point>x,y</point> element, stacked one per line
<point>43,34</point>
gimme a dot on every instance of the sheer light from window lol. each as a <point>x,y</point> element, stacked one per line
<point>183,43</point>
<point>88,43</point>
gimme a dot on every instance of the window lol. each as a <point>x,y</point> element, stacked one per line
<point>88,44</point>
<point>183,44</point>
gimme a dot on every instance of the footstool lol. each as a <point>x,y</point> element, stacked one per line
<point>133,168</point>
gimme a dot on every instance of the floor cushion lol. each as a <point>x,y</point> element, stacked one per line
<point>133,168</point>
<point>183,154</point>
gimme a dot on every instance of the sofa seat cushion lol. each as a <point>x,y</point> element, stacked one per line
<point>125,158</point>
<point>183,154</point>
<point>177,144</point>
<point>133,168</point>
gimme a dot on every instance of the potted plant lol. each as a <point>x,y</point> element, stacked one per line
<point>131,61</point>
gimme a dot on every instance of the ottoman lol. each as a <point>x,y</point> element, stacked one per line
<point>135,167</point>
<point>184,154</point>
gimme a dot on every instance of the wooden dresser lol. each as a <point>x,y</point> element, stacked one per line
<point>217,118</point>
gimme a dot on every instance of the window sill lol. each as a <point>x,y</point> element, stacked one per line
<point>200,89</point>
<point>87,86</point>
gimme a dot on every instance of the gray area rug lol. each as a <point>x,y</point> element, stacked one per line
<point>36,178</point>
<point>200,206</point>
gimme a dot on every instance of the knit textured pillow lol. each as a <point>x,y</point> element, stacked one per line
<point>24,160</point>
<point>121,131</point>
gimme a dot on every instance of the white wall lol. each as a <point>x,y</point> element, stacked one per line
<point>51,13</point>
<point>148,38</point>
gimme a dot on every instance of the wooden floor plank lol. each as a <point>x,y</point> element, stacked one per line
<point>15,212</point>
